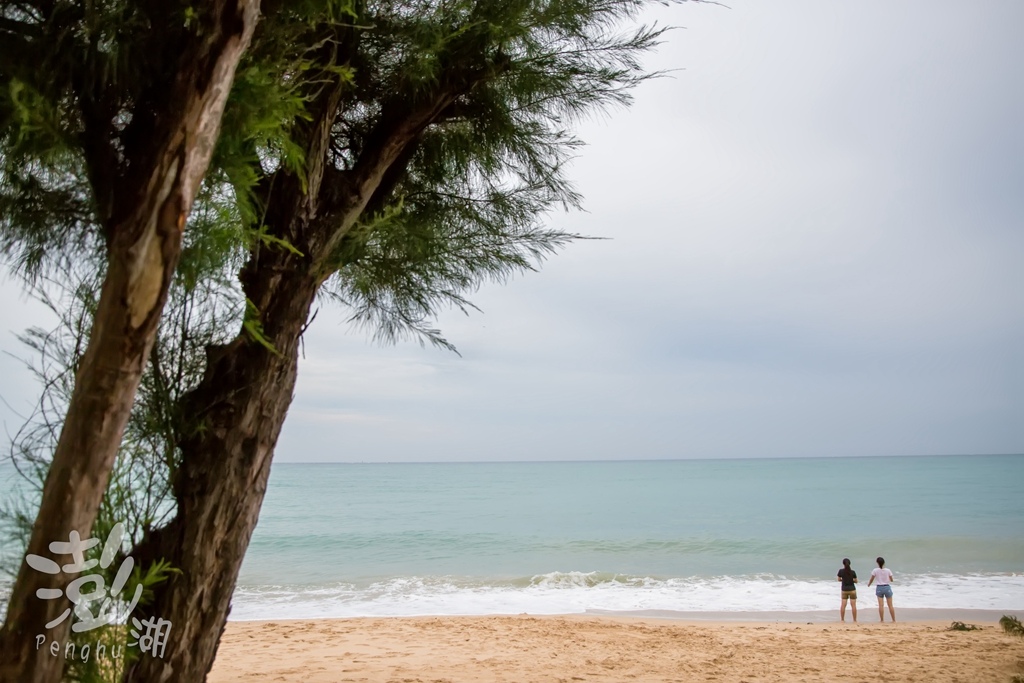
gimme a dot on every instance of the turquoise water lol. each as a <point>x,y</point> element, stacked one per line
<point>690,535</point>
<point>694,534</point>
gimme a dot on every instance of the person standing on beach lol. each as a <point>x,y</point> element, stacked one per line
<point>848,578</point>
<point>882,577</point>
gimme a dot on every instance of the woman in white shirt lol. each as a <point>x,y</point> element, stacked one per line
<point>882,577</point>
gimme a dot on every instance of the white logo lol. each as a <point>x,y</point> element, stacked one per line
<point>153,638</point>
<point>150,634</point>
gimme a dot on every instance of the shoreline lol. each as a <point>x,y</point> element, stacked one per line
<point>616,648</point>
<point>578,592</point>
<point>904,614</point>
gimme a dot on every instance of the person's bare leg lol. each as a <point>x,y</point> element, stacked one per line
<point>853,606</point>
<point>892,610</point>
<point>842,610</point>
<point>881,609</point>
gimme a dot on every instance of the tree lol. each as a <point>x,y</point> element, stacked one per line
<point>430,142</point>
<point>436,140</point>
<point>138,493</point>
<point>109,112</point>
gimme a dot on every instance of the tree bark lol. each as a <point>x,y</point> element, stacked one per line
<point>242,402</point>
<point>144,246</point>
<point>243,399</point>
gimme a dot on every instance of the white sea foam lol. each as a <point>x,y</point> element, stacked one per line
<point>578,592</point>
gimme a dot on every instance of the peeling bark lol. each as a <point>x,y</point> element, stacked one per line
<point>144,246</point>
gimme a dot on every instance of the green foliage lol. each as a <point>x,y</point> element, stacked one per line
<point>115,638</point>
<point>76,82</point>
<point>201,310</point>
<point>278,76</point>
<point>469,203</point>
<point>1012,625</point>
<point>47,218</point>
<point>466,207</point>
<point>108,646</point>
<point>254,328</point>
<point>138,494</point>
<point>466,204</point>
<point>961,626</point>
<point>53,362</point>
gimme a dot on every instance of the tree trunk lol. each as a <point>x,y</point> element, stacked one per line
<point>143,251</point>
<point>243,399</point>
<point>241,402</point>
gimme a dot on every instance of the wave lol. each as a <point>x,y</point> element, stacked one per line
<point>579,592</point>
<point>315,559</point>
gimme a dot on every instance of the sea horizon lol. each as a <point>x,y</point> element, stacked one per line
<point>681,459</point>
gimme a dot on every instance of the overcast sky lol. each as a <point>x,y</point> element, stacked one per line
<point>816,248</point>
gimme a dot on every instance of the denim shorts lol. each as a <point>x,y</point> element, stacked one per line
<point>883,591</point>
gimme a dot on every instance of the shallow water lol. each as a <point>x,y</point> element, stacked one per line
<point>722,535</point>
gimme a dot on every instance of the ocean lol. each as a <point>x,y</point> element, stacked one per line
<point>629,537</point>
<point>757,535</point>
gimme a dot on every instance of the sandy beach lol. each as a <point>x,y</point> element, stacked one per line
<point>523,649</point>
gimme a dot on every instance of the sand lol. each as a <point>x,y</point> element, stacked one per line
<point>527,649</point>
